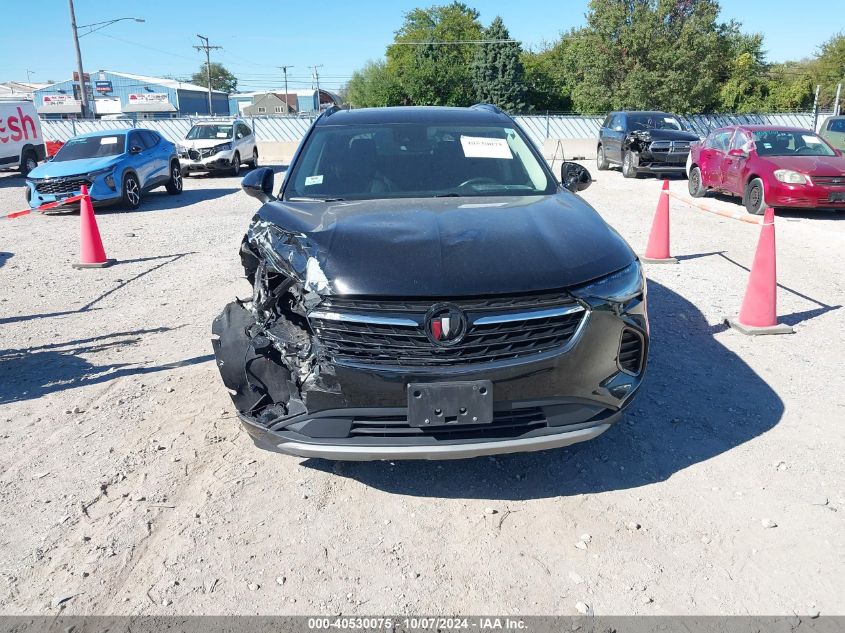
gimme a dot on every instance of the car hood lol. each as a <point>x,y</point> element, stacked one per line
<point>813,165</point>
<point>443,247</point>
<point>58,169</point>
<point>667,135</point>
<point>203,143</point>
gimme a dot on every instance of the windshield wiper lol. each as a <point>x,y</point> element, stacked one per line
<point>312,199</point>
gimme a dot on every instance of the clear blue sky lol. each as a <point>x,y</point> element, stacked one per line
<point>258,36</point>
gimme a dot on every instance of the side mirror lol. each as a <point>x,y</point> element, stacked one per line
<point>737,153</point>
<point>574,177</point>
<point>134,150</point>
<point>259,184</point>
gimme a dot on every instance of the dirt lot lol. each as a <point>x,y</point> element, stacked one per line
<point>126,485</point>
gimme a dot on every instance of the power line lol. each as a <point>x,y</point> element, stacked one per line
<point>207,48</point>
<point>316,76</point>
<point>450,42</point>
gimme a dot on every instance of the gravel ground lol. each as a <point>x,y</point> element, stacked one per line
<point>127,487</point>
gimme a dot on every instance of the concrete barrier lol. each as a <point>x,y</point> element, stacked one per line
<point>276,152</point>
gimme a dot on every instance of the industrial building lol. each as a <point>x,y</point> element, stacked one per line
<point>123,95</point>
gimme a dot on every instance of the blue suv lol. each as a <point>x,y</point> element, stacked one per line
<point>117,167</point>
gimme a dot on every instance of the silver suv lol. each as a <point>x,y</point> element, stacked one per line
<point>213,146</point>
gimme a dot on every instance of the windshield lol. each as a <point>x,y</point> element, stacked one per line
<point>410,160</point>
<point>653,122</point>
<point>91,147</point>
<point>790,143</point>
<point>210,132</point>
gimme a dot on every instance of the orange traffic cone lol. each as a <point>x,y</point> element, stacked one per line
<point>759,308</point>
<point>92,254</point>
<point>657,251</point>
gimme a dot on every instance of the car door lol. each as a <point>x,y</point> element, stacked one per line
<point>157,156</point>
<point>249,141</point>
<point>138,157</point>
<point>615,135</point>
<point>710,158</point>
<point>733,163</point>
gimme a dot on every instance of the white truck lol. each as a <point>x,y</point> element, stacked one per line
<point>21,142</point>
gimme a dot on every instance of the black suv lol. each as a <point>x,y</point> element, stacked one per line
<point>423,287</point>
<point>643,142</point>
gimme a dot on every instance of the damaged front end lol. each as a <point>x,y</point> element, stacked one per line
<point>650,151</point>
<point>264,348</point>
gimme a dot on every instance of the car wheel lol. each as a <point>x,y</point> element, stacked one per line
<point>629,164</point>
<point>753,199</point>
<point>696,188</point>
<point>601,159</point>
<point>174,185</point>
<point>131,192</point>
<point>236,165</point>
<point>29,161</point>
<point>254,162</point>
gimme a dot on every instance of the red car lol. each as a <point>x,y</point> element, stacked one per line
<point>769,166</point>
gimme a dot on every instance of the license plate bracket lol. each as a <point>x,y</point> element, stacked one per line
<point>836,196</point>
<point>441,404</point>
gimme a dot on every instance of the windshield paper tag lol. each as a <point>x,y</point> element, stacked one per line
<point>314,180</point>
<point>108,140</point>
<point>483,147</point>
<point>811,140</point>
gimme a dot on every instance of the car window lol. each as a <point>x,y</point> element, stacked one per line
<point>134,140</point>
<point>245,129</point>
<point>209,131</point>
<point>91,147</point>
<point>741,141</point>
<point>616,122</point>
<point>790,143</point>
<point>653,121</point>
<point>718,140</point>
<point>150,139</point>
<point>836,125</point>
<point>416,160</point>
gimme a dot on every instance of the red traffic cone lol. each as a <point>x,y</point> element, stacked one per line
<point>92,254</point>
<point>657,251</point>
<point>759,308</point>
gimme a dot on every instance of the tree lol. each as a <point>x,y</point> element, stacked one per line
<point>498,74</point>
<point>373,86</point>
<point>430,57</point>
<point>746,86</point>
<point>644,54</point>
<point>221,78</point>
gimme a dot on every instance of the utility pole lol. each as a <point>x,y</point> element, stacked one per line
<point>816,108</point>
<point>28,73</point>
<point>207,48</point>
<point>285,70</point>
<point>836,99</point>
<point>315,76</point>
<point>83,94</point>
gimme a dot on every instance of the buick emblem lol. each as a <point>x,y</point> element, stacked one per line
<point>445,325</point>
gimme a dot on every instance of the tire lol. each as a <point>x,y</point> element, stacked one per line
<point>629,164</point>
<point>131,192</point>
<point>601,159</point>
<point>29,161</point>
<point>236,165</point>
<point>696,188</point>
<point>254,162</point>
<point>754,199</point>
<point>174,185</point>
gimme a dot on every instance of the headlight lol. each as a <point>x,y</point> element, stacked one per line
<point>618,287</point>
<point>100,172</point>
<point>223,147</point>
<point>790,176</point>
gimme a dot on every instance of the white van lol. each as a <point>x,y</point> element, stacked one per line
<point>21,141</point>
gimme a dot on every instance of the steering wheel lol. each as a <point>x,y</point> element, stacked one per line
<point>478,180</point>
<point>801,151</point>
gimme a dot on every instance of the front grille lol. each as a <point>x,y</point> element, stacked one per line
<point>829,181</point>
<point>55,186</point>
<point>631,352</point>
<point>506,424</point>
<point>198,154</point>
<point>670,146</point>
<point>514,329</point>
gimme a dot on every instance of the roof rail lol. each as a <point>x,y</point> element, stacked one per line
<point>487,106</point>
